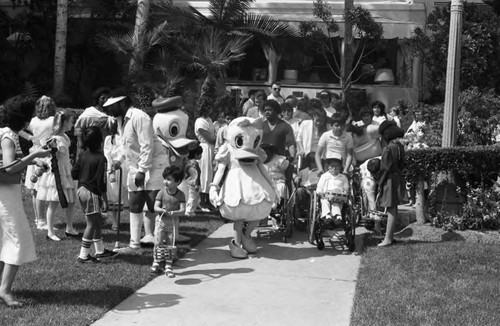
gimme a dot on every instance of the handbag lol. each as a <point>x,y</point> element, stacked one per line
<point>9,178</point>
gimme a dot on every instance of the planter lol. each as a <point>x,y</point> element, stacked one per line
<point>290,75</point>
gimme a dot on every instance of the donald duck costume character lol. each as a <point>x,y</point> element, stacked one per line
<point>170,125</point>
<point>242,188</point>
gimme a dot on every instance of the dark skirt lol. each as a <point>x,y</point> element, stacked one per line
<point>394,191</point>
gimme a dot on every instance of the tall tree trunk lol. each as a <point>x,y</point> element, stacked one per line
<point>60,49</point>
<point>273,59</point>
<point>208,92</point>
<point>347,55</point>
<point>141,21</point>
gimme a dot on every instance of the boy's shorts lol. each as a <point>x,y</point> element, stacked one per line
<point>90,202</point>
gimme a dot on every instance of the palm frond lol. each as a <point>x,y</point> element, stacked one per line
<point>158,36</point>
<point>224,11</point>
<point>166,10</point>
<point>116,42</point>
<point>264,25</point>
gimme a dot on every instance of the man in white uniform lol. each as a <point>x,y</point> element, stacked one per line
<point>146,159</point>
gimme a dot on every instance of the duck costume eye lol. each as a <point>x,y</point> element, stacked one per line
<point>239,141</point>
<point>174,129</point>
<point>256,143</point>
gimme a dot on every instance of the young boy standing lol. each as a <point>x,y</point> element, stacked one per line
<point>336,141</point>
<point>90,171</point>
<point>170,202</point>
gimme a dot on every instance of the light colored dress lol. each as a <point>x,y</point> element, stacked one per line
<point>246,195</point>
<point>113,151</point>
<point>16,241</point>
<point>42,130</point>
<point>47,190</point>
<point>206,166</point>
<point>276,168</point>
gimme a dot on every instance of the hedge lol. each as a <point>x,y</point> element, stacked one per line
<point>479,164</point>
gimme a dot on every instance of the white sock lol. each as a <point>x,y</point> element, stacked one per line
<point>99,246</point>
<point>85,249</point>
<point>135,229</point>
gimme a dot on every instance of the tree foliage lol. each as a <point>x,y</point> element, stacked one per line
<point>480,51</point>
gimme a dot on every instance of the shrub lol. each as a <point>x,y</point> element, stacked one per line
<point>480,211</point>
<point>473,169</point>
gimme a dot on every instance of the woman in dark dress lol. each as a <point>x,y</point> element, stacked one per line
<point>391,183</point>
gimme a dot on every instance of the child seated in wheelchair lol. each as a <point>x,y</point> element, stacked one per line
<point>330,185</point>
<point>304,179</point>
<point>276,166</point>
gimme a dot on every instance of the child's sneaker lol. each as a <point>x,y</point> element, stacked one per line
<point>155,268</point>
<point>89,259</point>
<point>106,254</point>
<point>169,272</point>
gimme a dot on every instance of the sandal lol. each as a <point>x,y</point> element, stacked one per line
<point>169,272</point>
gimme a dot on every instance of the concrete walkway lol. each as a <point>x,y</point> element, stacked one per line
<point>282,284</point>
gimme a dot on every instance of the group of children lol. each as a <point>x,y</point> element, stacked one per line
<point>94,181</point>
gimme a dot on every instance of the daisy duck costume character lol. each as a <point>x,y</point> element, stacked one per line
<point>170,125</point>
<point>242,188</point>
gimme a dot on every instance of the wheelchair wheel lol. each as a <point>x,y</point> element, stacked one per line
<point>350,228</point>
<point>318,232</point>
<point>287,222</point>
<point>311,222</point>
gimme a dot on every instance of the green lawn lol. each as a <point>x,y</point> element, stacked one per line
<point>60,291</point>
<point>446,283</point>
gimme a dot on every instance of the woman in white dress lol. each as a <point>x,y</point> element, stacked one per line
<point>41,126</point>
<point>16,241</point>
<point>205,132</point>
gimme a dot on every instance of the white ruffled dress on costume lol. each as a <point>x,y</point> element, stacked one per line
<point>46,188</point>
<point>246,194</point>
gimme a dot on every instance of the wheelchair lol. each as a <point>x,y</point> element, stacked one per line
<point>317,226</point>
<point>281,219</point>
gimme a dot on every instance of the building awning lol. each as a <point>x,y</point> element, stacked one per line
<point>399,18</point>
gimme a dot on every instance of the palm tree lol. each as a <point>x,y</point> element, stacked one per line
<point>213,42</point>
<point>60,47</point>
<point>178,39</point>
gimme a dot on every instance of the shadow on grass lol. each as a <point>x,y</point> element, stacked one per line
<point>78,297</point>
<point>405,238</point>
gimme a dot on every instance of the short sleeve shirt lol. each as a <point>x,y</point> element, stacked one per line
<point>336,144</point>
<point>281,136</point>
<point>171,202</point>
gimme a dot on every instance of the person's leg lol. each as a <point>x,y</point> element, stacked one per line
<point>246,239</point>
<point>235,244</point>
<point>392,215</point>
<point>325,207</point>
<point>161,236</point>
<point>35,207</point>
<point>137,199</point>
<point>149,217</point>
<point>40,205</point>
<point>8,276</point>
<point>51,209</point>
<point>70,212</point>
<point>88,234</point>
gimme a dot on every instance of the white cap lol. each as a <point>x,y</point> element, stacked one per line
<point>113,100</point>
